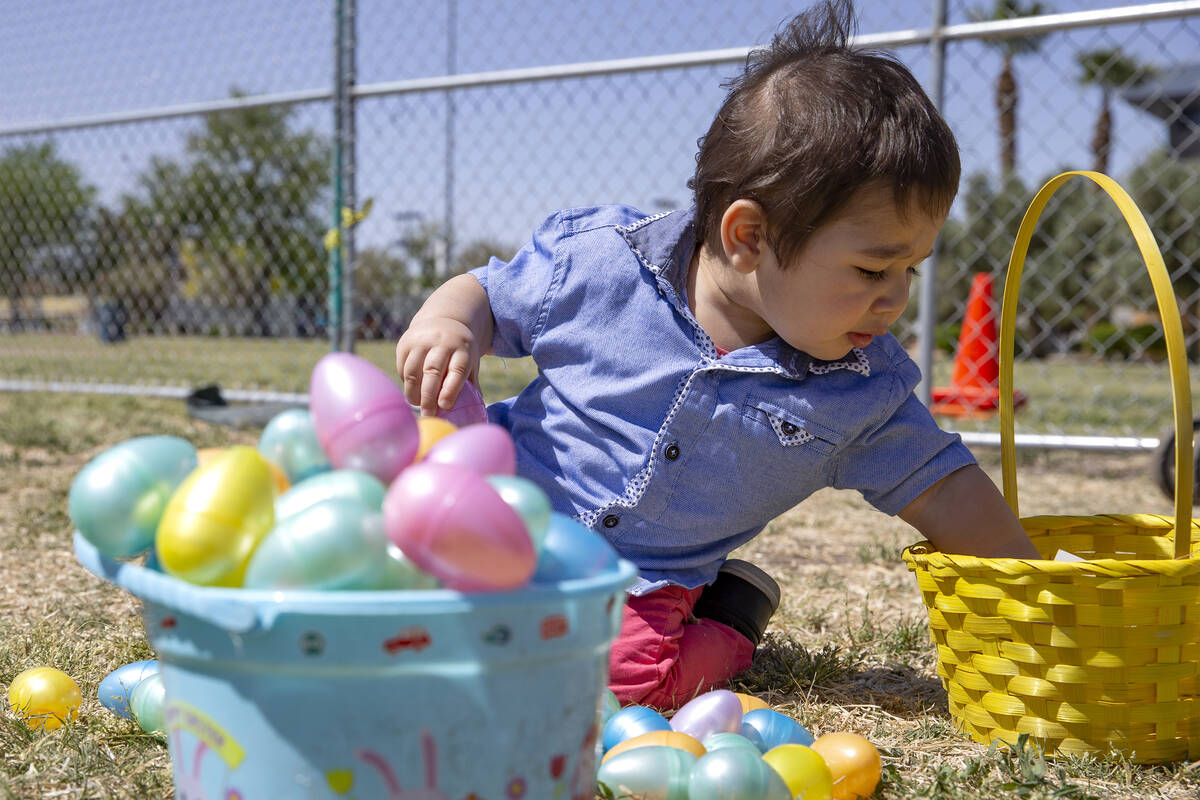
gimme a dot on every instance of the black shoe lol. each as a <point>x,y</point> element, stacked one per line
<point>742,597</point>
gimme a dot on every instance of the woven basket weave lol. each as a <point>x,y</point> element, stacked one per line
<point>1100,655</point>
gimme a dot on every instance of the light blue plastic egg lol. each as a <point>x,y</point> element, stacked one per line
<point>653,773</point>
<point>146,704</point>
<point>722,741</point>
<point>733,773</point>
<point>116,687</point>
<point>572,550</point>
<point>528,500</point>
<point>345,484</point>
<point>776,728</point>
<point>718,710</point>
<point>401,573</point>
<point>335,544</point>
<point>289,441</point>
<point>609,705</point>
<point>632,721</point>
<point>118,498</point>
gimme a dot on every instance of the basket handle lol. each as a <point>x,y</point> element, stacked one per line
<point>1172,332</point>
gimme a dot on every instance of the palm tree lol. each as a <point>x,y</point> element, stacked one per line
<point>1109,69</point>
<point>1006,83</point>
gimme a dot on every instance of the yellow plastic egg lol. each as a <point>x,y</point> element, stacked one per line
<point>750,702</point>
<point>680,741</point>
<point>44,697</point>
<point>431,430</point>
<point>216,518</point>
<point>803,770</point>
<point>853,761</point>
<point>206,455</point>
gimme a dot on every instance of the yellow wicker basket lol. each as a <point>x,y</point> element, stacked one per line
<point>1100,655</point>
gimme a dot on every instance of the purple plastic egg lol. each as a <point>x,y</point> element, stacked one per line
<point>488,449</point>
<point>362,419</point>
<point>452,524</point>
<point>468,408</point>
<point>712,712</point>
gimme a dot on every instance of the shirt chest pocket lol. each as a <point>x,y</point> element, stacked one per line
<point>794,429</point>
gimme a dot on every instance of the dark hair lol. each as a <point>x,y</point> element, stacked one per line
<point>810,122</point>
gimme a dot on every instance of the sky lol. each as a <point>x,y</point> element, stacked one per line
<point>520,152</point>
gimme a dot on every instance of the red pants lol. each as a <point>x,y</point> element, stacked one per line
<point>664,657</point>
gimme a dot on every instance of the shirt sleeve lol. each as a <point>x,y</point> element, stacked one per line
<point>519,290</point>
<point>898,460</point>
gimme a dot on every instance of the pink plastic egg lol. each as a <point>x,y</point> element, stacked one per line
<point>468,408</point>
<point>488,449</point>
<point>452,524</point>
<point>362,419</point>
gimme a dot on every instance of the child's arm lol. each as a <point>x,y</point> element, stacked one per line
<point>965,513</point>
<point>443,344</point>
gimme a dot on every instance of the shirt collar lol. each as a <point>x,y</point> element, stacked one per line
<point>663,243</point>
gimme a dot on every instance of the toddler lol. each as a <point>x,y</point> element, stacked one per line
<point>702,371</point>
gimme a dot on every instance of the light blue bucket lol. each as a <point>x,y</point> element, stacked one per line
<point>418,695</point>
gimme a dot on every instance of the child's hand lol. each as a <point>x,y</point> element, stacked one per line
<point>435,357</point>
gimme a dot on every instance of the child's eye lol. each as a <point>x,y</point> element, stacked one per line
<point>871,274</point>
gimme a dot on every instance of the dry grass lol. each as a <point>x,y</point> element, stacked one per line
<point>849,649</point>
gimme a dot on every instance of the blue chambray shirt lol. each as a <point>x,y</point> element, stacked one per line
<point>635,427</point>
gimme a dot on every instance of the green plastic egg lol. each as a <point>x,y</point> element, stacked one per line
<point>347,484</point>
<point>290,440</point>
<point>401,573</point>
<point>528,500</point>
<point>147,704</point>
<point>655,772</point>
<point>736,773</point>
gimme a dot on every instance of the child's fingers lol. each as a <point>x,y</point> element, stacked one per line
<point>456,374</point>
<point>411,375</point>
<point>433,372</point>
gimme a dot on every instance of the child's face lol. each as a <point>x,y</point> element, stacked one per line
<point>851,280</point>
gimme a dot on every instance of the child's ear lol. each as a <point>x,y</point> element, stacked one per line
<point>744,235</point>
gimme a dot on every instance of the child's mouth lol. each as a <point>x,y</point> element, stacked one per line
<point>860,339</point>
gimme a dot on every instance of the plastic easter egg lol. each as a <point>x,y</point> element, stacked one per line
<point>216,518</point>
<point>146,704</point>
<point>572,550</point>
<point>529,501</point>
<point>430,431</point>
<point>853,761</point>
<point>735,774</point>
<point>44,698</point>
<point>453,525</point>
<point>206,455</point>
<point>675,739</point>
<point>722,740</point>
<point>118,498</point>
<point>718,710</point>
<point>653,773</point>
<point>338,484</point>
<point>803,770</point>
<point>335,544</point>
<point>750,702</point>
<point>399,572</point>
<point>751,734</point>
<point>468,408</point>
<point>488,449</point>
<point>290,440</point>
<point>362,419</point>
<point>629,722</point>
<point>776,728</point>
<point>609,705</point>
<point>117,686</point>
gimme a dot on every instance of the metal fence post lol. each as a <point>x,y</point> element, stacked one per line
<point>341,255</point>
<point>927,310</point>
<point>349,165</point>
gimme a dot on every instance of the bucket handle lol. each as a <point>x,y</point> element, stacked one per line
<point>147,584</point>
<point>1168,310</point>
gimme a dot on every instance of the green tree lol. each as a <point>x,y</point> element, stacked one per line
<point>239,217</point>
<point>44,207</point>
<point>1108,69</point>
<point>1006,82</point>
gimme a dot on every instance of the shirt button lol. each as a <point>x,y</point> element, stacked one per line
<point>672,452</point>
<point>611,521</point>
<point>788,429</point>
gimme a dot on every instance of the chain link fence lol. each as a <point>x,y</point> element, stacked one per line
<point>166,187</point>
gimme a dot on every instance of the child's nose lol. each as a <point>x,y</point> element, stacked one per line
<point>893,297</point>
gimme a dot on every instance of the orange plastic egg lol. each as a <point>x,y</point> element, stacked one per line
<point>430,431</point>
<point>854,762</point>
<point>750,702</point>
<point>680,741</point>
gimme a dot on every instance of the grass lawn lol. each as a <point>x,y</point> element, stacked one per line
<point>848,650</point>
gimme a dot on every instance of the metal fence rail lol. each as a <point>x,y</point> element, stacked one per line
<point>166,231</point>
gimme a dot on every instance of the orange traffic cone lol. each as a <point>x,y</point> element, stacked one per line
<point>975,383</point>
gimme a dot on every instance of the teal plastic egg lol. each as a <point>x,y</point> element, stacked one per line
<point>654,773</point>
<point>116,687</point>
<point>118,498</point>
<point>734,773</point>
<point>733,741</point>
<point>335,544</point>
<point>528,500</point>
<point>289,441</point>
<point>146,704</point>
<point>346,484</point>
<point>401,573</point>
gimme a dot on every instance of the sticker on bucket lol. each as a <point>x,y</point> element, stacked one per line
<point>189,783</point>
